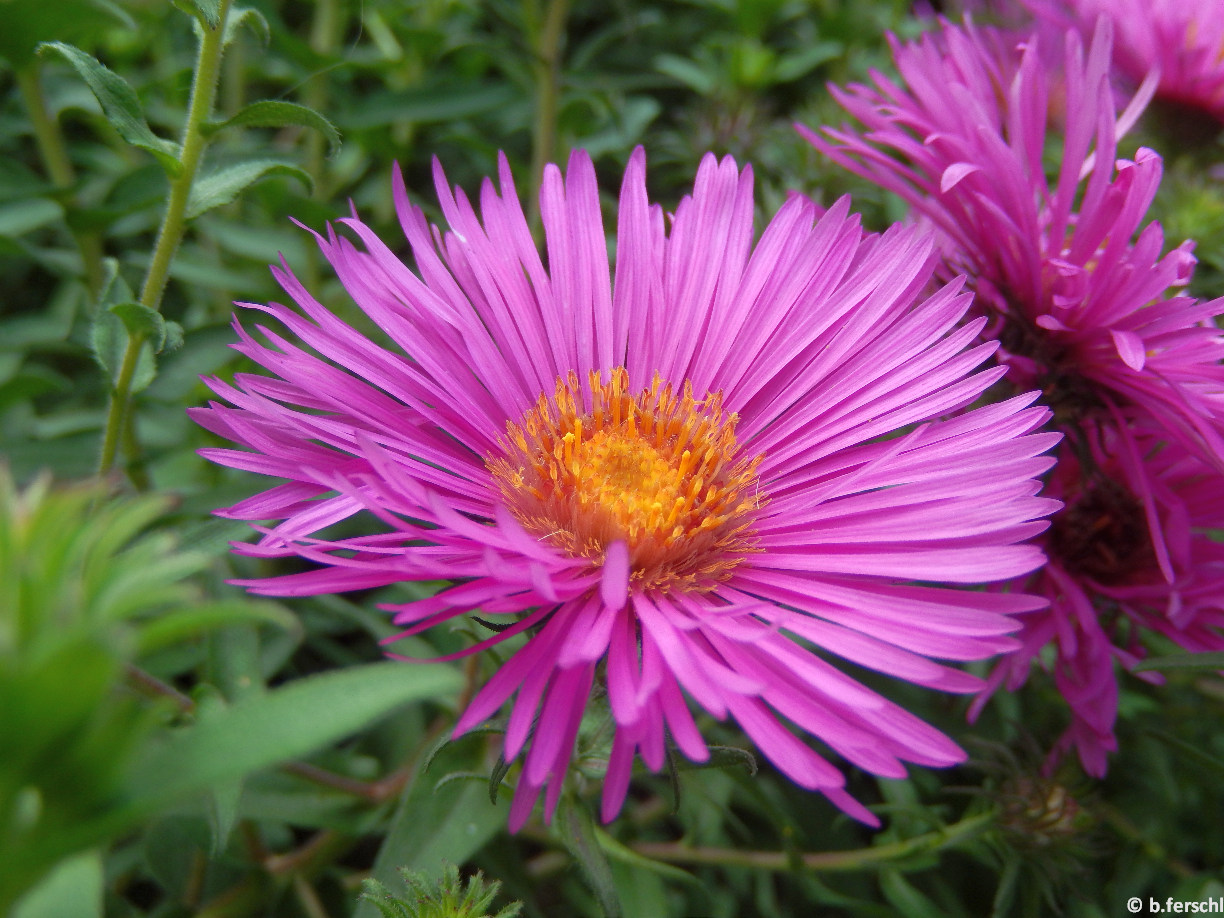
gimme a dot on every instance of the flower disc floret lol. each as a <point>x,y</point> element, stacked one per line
<point>659,471</point>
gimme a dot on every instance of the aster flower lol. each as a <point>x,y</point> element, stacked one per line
<point>681,484</point>
<point>1077,290</point>
<point>1180,40</point>
<point>1109,582</point>
<point>1074,277</point>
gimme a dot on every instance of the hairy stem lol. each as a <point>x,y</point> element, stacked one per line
<point>174,223</point>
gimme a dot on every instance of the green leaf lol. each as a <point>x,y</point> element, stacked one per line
<point>1193,662</point>
<point>73,887</point>
<point>139,319</point>
<point>624,855</point>
<point>28,23</point>
<point>263,730</point>
<point>800,63</point>
<point>108,340</point>
<point>580,836</point>
<point>459,818</point>
<point>114,288</point>
<point>208,12</point>
<point>119,104</point>
<point>20,217</point>
<point>166,630</point>
<point>429,104</point>
<point>223,185</point>
<point>499,771</point>
<point>274,113</point>
<point>725,757</point>
<point>248,17</point>
<point>686,72</point>
<point>906,898</point>
<point>1190,751</point>
<point>174,337</point>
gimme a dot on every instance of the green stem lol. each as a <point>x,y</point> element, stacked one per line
<point>822,861</point>
<point>548,98</point>
<point>324,33</point>
<point>174,224</point>
<point>54,153</point>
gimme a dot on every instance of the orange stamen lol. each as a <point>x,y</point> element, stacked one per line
<point>660,473</point>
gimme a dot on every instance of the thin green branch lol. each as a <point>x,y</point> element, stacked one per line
<point>547,100</point>
<point>54,153</point>
<point>821,861</point>
<point>174,224</point>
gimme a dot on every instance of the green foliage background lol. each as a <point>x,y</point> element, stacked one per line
<point>171,747</point>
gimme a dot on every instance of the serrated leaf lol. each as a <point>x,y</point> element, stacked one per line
<point>274,113</point>
<point>139,319</point>
<point>223,185</point>
<point>262,730</point>
<point>119,104</point>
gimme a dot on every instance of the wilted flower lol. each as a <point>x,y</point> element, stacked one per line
<point>678,484</point>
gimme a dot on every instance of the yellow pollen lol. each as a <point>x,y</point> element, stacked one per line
<point>658,471</point>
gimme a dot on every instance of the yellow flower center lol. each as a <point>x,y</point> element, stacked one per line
<point>659,472</point>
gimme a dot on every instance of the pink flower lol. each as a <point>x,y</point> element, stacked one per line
<point>1109,582</point>
<point>1180,40</point>
<point>1074,278</point>
<point>679,483</point>
<point>1076,288</point>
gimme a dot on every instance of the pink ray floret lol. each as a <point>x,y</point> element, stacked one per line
<point>1077,284</point>
<point>1083,297</point>
<point>1182,41</point>
<point>699,478</point>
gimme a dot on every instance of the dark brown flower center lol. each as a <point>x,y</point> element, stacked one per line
<point>1102,534</point>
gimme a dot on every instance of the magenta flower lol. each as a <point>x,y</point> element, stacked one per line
<point>1076,288</point>
<point>1075,280</point>
<point>680,483</point>
<point>1182,41</point>
<point>1109,582</point>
